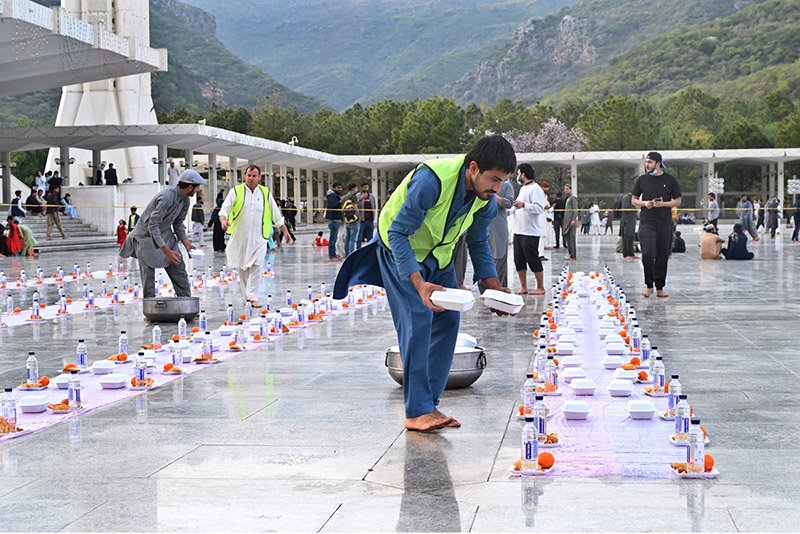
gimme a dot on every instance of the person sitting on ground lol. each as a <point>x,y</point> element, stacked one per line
<point>122,232</point>
<point>69,208</point>
<point>678,244</point>
<point>711,243</point>
<point>737,245</point>
<point>320,241</point>
<point>33,206</point>
<point>3,245</point>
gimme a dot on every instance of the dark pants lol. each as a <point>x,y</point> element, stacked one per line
<point>714,222</point>
<point>367,229</point>
<point>333,226</point>
<point>219,237</point>
<point>569,241</point>
<point>796,227</point>
<point>628,234</point>
<point>526,251</point>
<point>557,229</point>
<point>655,242</point>
<point>176,273</point>
<point>460,259</point>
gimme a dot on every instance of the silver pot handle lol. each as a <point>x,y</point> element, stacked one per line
<point>482,360</point>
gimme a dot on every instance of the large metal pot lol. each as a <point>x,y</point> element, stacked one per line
<point>467,367</point>
<point>170,309</point>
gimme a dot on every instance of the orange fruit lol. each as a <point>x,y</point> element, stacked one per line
<point>555,360</point>
<point>232,343</point>
<point>705,434</point>
<point>257,337</point>
<point>176,337</point>
<point>122,357</point>
<point>168,366</point>
<point>536,333</point>
<point>691,410</point>
<point>627,340</point>
<point>243,317</point>
<point>69,366</point>
<point>133,381</point>
<point>666,387</point>
<point>546,460</point>
<point>360,301</point>
<point>69,301</point>
<point>44,381</point>
<point>17,310</point>
<point>643,376</point>
<point>195,330</point>
<point>709,462</point>
<point>294,306</point>
<point>636,361</point>
<point>345,305</point>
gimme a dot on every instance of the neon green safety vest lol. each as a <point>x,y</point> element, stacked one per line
<point>431,238</point>
<point>233,216</point>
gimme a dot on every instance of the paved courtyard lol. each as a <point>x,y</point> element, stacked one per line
<point>306,434</point>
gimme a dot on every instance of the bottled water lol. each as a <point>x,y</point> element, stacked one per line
<point>550,374</point>
<point>310,294</point>
<point>76,269</point>
<point>82,355</point>
<point>62,304</point>
<point>122,345</point>
<point>115,295</point>
<point>176,352</point>
<point>653,355</point>
<point>121,267</point>
<point>110,269</point>
<point>125,284</point>
<point>530,446</point>
<point>74,393</point>
<point>289,297</point>
<point>351,298</point>
<point>248,310</point>
<point>140,370</point>
<point>659,376</point>
<point>160,280</point>
<point>674,391</point>
<point>695,452</point>
<point>156,337</point>
<point>323,290</point>
<point>23,277</point>
<point>636,338</point>
<point>269,268</point>
<point>269,303</point>
<point>3,278</point>
<point>35,302</point>
<point>103,289</point>
<point>229,315</point>
<point>9,406</point>
<point>203,321</point>
<point>88,269</point>
<point>61,292</point>
<point>528,394</point>
<point>182,327</point>
<point>207,347</point>
<point>540,418</point>
<point>137,291</point>
<point>32,366</point>
<point>539,361</point>
<point>10,304</point>
<point>208,273</point>
<point>59,272</point>
<point>239,338</point>
<point>682,419</point>
<point>85,292</point>
<point>91,298</point>
<point>194,273</point>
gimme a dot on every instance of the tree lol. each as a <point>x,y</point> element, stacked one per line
<point>435,125</point>
<point>777,105</point>
<point>274,121</point>
<point>741,134</point>
<point>382,119</point>
<point>554,136</point>
<point>237,120</point>
<point>789,131</point>
<point>689,116</point>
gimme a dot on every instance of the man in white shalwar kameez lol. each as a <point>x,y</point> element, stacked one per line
<point>244,218</point>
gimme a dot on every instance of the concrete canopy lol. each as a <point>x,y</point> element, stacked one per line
<point>44,48</point>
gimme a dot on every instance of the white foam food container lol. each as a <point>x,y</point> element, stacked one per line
<point>565,331</point>
<point>571,361</point>
<point>583,386</point>
<point>184,344</point>
<point>565,348</point>
<point>572,339</point>
<point>612,362</point>
<point>286,312</point>
<point>197,337</point>
<point>641,409</point>
<point>466,340</point>
<point>576,409</point>
<point>624,374</point>
<point>254,329</point>
<point>227,330</point>
<point>615,348</point>
<point>501,301</point>
<point>620,388</point>
<point>576,325</point>
<point>103,367</point>
<point>459,300</point>
<point>114,381</point>
<point>571,373</point>
<point>32,403</point>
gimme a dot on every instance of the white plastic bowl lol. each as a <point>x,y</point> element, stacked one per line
<point>32,403</point>
<point>573,372</point>
<point>624,374</point>
<point>103,367</point>
<point>572,361</point>
<point>459,300</point>
<point>583,386</point>
<point>466,340</point>
<point>620,388</point>
<point>641,409</point>
<point>612,362</point>
<point>114,381</point>
<point>576,409</point>
<point>504,302</point>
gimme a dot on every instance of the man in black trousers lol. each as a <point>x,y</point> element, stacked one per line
<point>655,193</point>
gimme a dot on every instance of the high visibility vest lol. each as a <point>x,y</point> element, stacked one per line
<point>431,237</point>
<point>266,219</point>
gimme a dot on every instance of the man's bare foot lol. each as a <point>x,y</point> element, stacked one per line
<point>255,304</point>
<point>756,238</point>
<point>427,422</point>
<point>548,248</point>
<point>537,291</point>
<point>647,292</point>
<point>660,293</point>
<point>523,291</point>
<point>66,237</point>
<point>452,424</point>
<point>570,259</point>
<point>49,238</point>
<point>631,257</point>
<point>463,287</point>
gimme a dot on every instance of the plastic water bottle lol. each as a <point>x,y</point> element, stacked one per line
<point>62,304</point>
<point>59,272</point>
<point>3,278</point>
<point>203,321</point>
<point>207,346</point>
<point>115,295</point>
<point>88,269</point>
<point>674,392</point>
<point>82,355</point>
<point>653,355</point>
<point>182,327</point>
<point>269,268</point>
<point>636,338</point>
<point>539,361</point>
<point>289,297</point>
<point>269,303</point>
<point>530,446</point>
<point>137,292</point>
<point>310,294</point>
<point>540,418</point>
<point>239,337</point>
<point>156,337</point>
<point>323,290</point>
<point>550,374</point>
<point>176,352</point>
<point>140,370</point>
<point>10,304</point>
<point>121,269</point>
<point>103,289</point>
<point>682,419</point>
<point>74,394</point>
<point>110,269</point>
<point>208,273</point>
<point>35,302</point>
<point>85,292</point>
<point>229,315</point>
<point>122,345</point>
<point>659,376</point>
<point>248,310</point>
<point>695,452</point>
<point>61,292</point>
<point>160,280</point>
<point>23,277</point>
<point>194,273</point>
<point>32,366</point>
<point>528,394</point>
<point>75,269</point>
<point>10,410</point>
<point>91,298</point>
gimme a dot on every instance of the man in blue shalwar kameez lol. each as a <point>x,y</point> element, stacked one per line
<point>412,256</point>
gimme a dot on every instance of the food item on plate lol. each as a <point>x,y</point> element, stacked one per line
<point>643,376</point>
<point>169,368</point>
<point>551,350</point>
<point>63,405</point>
<point>42,383</point>
<point>636,361</point>
<point>142,383</point>
<point>680,467</point>
<point>234,346</point>
<point>195,330</point>
<point>17,310</point>
<point>285,329</point>
<point>546,460</point>
<point>648,389</point>
<point>629,366</point>
<point>121,357</point>
<point>708,465</point>
<point>551,439</point>
<point>45,381</point>
<point>69,367</point>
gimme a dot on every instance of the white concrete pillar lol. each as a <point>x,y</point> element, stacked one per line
<point>296,180</point>
<point>772,173</point>
<point>268,178</point>
<point>233,163</point>
<point>188,157</point>
<point>212,181</point>
<point>97,158</point>
<point>309,196</point>
<point>284,182</point>
<point>764,174</point>
<point>162,164</point>
<point>780,173</point>
<point>573,177</point>
<point>375,181</point>
<point>63,168</point>
<point>5,164</point>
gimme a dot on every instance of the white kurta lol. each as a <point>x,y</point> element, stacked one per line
<point>247,247</point>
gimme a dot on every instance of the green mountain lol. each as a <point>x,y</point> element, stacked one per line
<point>550,53</point>
<point>751,54</point>
<point>201,71</point>
<point>347,51</point>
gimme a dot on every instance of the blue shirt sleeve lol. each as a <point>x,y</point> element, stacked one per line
<point>478,242</point>
<point>422,194</point>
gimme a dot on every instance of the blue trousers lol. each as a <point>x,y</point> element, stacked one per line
<point>351,235</point>
<point>426,339</point>
<point>367,229</point>
<point>333,226</point>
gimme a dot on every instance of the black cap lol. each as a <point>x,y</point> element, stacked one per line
<point>73,372</point>
<point>528,419</point>
<point>9,390</point>
<point>682,397</point>
<point>695,421</point>
<point>655,156</point>
<point>675,377</point>
<point>80,341</point>
<point>528,375</point>
<point>539,397</point>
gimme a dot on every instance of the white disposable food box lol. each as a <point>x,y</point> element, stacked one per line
<point>620,388</point>
<point>504,302</point>
<point>254,329</point>
<point>62,381</point>
<point>583,386</point>
<point>573,372</point>
<point>575,325</point>
<point>565,331</point>
<point>568,338</point>
<point>114,381</point>
<point>197,337</point>
<point>216,343</point>
<point>459,300</point>
<point>615,348</point>
<point>466,340</point>
<point>149,354</point>
<point>103,367</point>
<point>565,348</point>
<point>184,344</point>
<point>227,330</point>
<point>576,409</point>
<point>624,374</point>
<point>612,362</point>
<point>32,403</point>
<point>571,361</point>
<point>286,312</point>
<point>641,409</point>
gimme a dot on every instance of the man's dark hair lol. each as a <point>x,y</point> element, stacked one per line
<point>364,183</point>
<point>336,184</point>
<point>10,219</point>
<point>48,173</point>
<point>319,234</point>
<point>713,196</point>
<point>677,233</point>
<point>185,185</point>
<point>558,195</point>
<point>492,152</point>
<point>527,170</point>
<point>17,192</point>
<point>352,186</point>
<point>253,168</point>
<point>133,209</point>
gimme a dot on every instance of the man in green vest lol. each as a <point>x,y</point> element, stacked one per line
<point>412,256</point>
<point>247,215</point>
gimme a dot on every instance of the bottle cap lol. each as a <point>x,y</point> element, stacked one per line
<point>182,317</point>
<point>141,353</point>
<point>549,356</point>
<point>528,419</point>
<point>155,324</point>
<point>207,332</point>
<point>674,377</point>
<point>655,348</point>
<point>528,375</point>
<point>201,311</point>
<point>682,397</point>
<point>695,422</point>
<point>73,372</point>
<point>80,341</point>
<point>9,390</point>
<point>644,335</point>
<point>539,397</point>
<point>658,358</point>
<point>122,331</point>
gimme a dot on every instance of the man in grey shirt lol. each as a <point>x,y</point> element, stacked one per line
<point>569,227</point>
<point>745,210</point>
<point>712,211</point>
<point>154,240</point>
<point>498,234</point>
<point>172,174</point>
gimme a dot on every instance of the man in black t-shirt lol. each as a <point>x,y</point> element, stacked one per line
<point>655,193</point>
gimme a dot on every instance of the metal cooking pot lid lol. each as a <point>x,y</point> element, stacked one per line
<point>459,350</point>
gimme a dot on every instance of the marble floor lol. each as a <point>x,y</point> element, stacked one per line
<point>306,434</point>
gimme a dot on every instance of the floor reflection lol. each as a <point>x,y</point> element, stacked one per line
<point>532,489</point>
